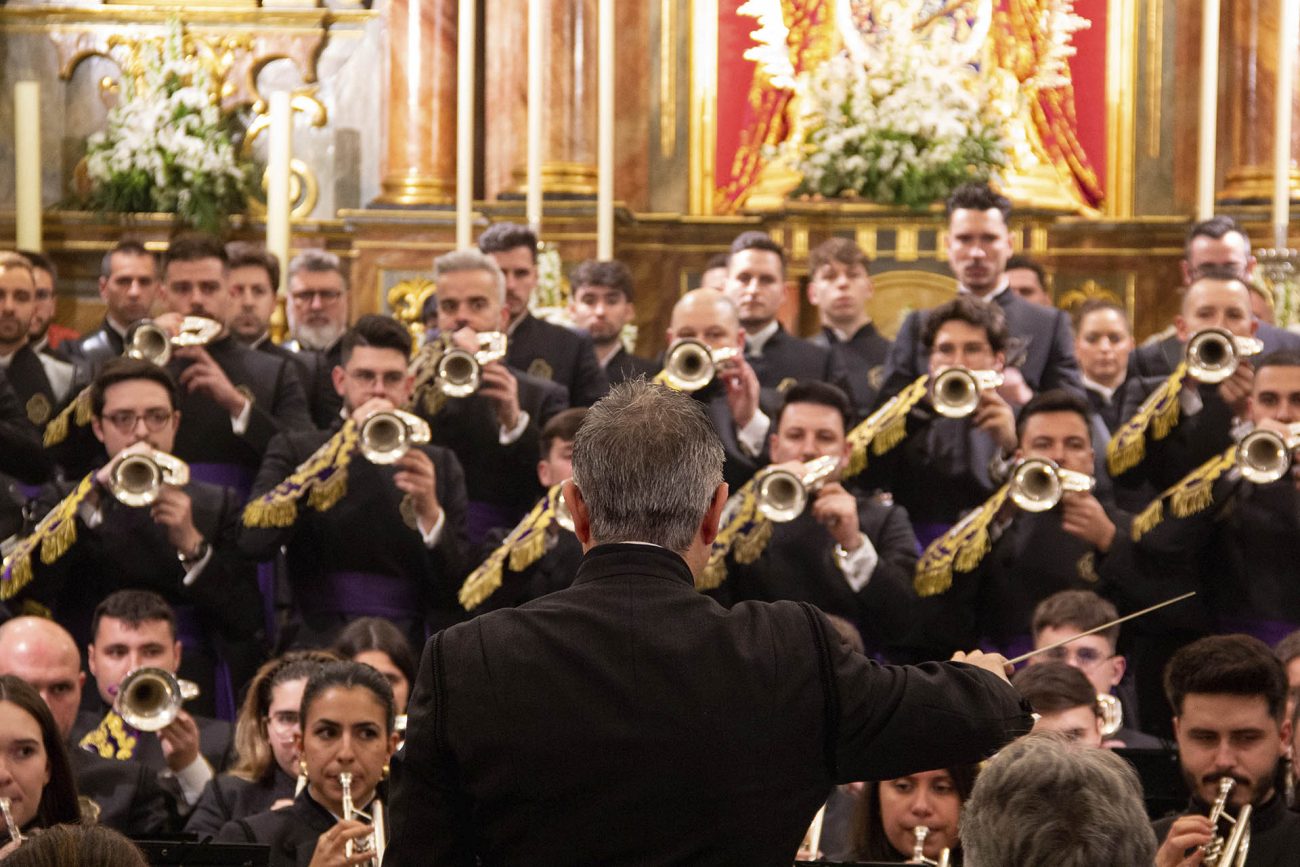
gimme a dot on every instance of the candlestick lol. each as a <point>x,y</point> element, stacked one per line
<point>27,164</point>
<point>605,133</point>
<point>1209,109</point>
<point>464,123</point>
<point>1286,34</point>
<point>533,201</point>
<point>278,179</point>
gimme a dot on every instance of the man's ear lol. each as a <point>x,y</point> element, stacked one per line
<point>337,375</point>
<point>578,509</point>
<point>999,360</point>
<point>1119,666</point>
<point>97,425</point>
<point>90,660</point>
<point>176,651</point>
<point>713,515</point>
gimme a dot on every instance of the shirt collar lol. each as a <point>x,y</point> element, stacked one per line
<point>755,342</point>
<point>1093,385</point>
<point>1002,287</point>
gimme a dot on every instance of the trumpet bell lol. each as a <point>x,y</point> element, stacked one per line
<point>459,373</point>
<point>780,496</point>
<point>1112,714</point>
<point>689,365</point>
<point>1263,457</point>
<point>149,699</point>
<point>148,342</point>
<point>385,436</point>
<point>1035,485</point>
<point>955,392</point>
<point>137,479</point>
<point>1213,354</point>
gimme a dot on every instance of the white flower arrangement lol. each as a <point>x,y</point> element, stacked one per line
<point>168,146</point>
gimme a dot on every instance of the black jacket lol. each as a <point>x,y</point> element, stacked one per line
<point>227,798</point>
<point>631,720</point>
<point>558,354</point>
<point>1274,832</point>
<point>624,365</point>
<point>291,832</point>
<point>127,793</point>
<point>863,356</point>
<point>787,358</point>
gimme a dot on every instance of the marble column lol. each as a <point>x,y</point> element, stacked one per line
<point>568,97</point>
<point>420,158</point>
<point>1246,102</point>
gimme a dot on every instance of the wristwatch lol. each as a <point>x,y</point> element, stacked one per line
<point>188,560</point>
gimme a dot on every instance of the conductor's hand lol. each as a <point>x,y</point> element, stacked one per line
<point>180,741</point>
<point>331,847</point>
<point>1186,832</point>
<point>994,662</point>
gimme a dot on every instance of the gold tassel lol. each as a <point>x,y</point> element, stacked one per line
<point>322,479</point>
<point>1158,414</point>
<point>884,428</point>
<point>740,513</point>
<point>523,546</point>
<point>962,548</point>
<point>54,535</point>
<point>326,492</point>
<point>77,412</point>
<point>1191,494</point>
<point>713,574</point>
<point>1148,519</point>
<point>751,544</point>
<point>263,514</point>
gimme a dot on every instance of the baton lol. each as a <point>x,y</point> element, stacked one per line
<point>1064,641</point>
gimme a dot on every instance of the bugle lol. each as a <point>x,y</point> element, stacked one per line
<point>1264,456</point>
<point>148,699</point>
<point>955,391</point>
<point>781,495</point>
<point>374,843</point>
<point>1213,354</point>
<point>920,833</point>
<point>1228,851</point>
<point>137,478</point>
<point>460,371</point>
<point>690,364</point>
<point>1038,484</point>
<point>387,434</point>
<point>148,341</point>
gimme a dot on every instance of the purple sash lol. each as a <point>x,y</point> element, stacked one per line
<point>365,594</point>
<point>481,517</point>
<point>1268,631</point>
<point>192,637</point>
<point>927,532</point>
<point>1016,645</point>
<point>234,476</point>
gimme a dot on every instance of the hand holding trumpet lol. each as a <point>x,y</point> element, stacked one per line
<point>171,507</point>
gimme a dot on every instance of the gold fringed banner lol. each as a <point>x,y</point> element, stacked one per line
<point>77,412</point>
<point>738,520</point>
<point>54,535</point>
<point>1191,494</point>
<point>426,396</point>
<point>1158,416</point>
<point>522,547</point>
<point>322,478</point>
<point>111,739</point>
<point>884,428</point>
<point>960,549</point>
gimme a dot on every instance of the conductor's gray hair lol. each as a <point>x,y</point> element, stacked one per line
<point>470,260</point>
<point>1041,801</point>
<point>647,461</point>
<point>317,262</point>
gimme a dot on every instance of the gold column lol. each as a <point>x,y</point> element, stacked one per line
<point>1247,101</point>
<point>420,159</point>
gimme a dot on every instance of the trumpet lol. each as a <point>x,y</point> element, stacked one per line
<point>780,495</point>
<point>1112,714</point>
<point>137,478</point>
<point>691,364</point>
<point>1264,456</point>
<point>15,833</point>
<point>387,434</point>
<point>920,832</point>
<point>375,842</point>
<point>1213,354</point>
<point>1230,851</point>
<point>460,371</point>
<point>955,391</point>
<point>1038,484</point>
<point>563,516</point>
<point>147,341</point>
<point>148,699</point>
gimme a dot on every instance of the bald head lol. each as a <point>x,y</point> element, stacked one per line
<point>707,315</point>
<point>44,654</point>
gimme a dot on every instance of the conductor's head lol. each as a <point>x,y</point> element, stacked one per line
<point>647,467</point>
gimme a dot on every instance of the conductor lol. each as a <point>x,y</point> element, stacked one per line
<point>629,719</point>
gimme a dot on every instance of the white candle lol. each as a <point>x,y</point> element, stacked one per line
<point>533,201</point>
<point>1209,109</point>
<point>279,155</point>
<point>605,133</point>
<point>27,164</point>
<point>1286,34</point>
<point>464,124</point>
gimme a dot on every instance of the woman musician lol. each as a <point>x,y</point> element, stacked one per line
<point>37,789</point>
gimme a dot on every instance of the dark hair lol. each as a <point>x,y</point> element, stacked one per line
<point>1051,687</point>
<point>1081,609</point>
<point>978,197</point>
<point>717,260</point>
<point>501,237</point>
<point>242,254</point>
<point>820,393</point>
<point>59,796</point>
<point>87,845</point>
<point>254,760</point>
<point>561,426</point>
<point>1055,400</point>
<point>1226,665</point>
<point>971,310</point>
<point>868,832</point>
<point>133,607</point>
<point>756,240</point>
<point>380,332</point>
<point>126,246</point>
<point>1020,261</point>
<point>1217,271</point>
<point>346,674</point>
<point>613,274</point>
<point>376,633</point>
<point>847,632</point>
<point>841,250</point>
<point>1288,648</point>
<point>41,261</point>
<point>1277,358</point>
<point>123,369</point>
<point>1092,305</point>
<point>193,247</point>
<point>1215,228</point>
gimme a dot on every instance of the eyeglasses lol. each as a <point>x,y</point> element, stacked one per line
<point>367,378</point>
<point>126,420</point>
<point>284,722</point>
<point>325,296</point>
<point>1084,657</point>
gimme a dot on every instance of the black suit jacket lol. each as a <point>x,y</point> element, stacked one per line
<point>563,356</point>
<point>94,350</point>
<point>206,435</point>
<point>624,366</point>
<point>1274,831</point>
<point>631,720</point>
<point>739,466</point>
<point>227,798</point>
<point>364,532</point>
<point>863,356</point>
<point>21,453</point>
<point>786,357</point>
<point>127,793</point>
<point>1045,339</point>
<point>314,373</point>
<point>291,832</point>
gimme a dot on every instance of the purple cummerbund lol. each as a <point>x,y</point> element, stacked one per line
<point>1268,631</point>
<point>364,594</point>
